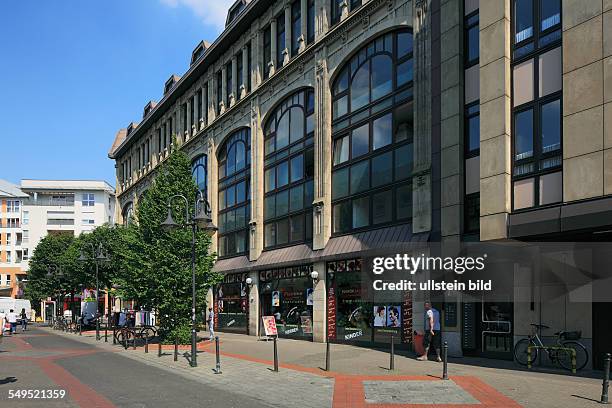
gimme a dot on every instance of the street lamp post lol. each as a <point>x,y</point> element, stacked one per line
<point>54,270</point>
<point>200,219</point>
<point>99,255</point>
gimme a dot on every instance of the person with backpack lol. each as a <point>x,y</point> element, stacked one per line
<point>24,320</point>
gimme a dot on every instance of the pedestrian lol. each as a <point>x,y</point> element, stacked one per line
<point>211,323</point>
<point>24,320</point>
<point>12,319</point>
<point>432,332</point>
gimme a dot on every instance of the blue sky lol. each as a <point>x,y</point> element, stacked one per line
<point>74,72</point>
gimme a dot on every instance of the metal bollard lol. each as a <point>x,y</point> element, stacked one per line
<point>80,329</point>
<point>327,367</point>
<point>392,355</point>
<point>106,334</point>
<point>445,361</point>
<point>146,344</point>
<point>275,356</point>
<point>218,355</point>
<point>134,341</point>
<point>176,349</point>
<point>125,344</point>
<point>606,380</point>
<point>159,347</point>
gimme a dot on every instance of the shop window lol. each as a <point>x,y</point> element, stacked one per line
<point>287,295</point>
<point>372,134</point>
<point>234,193</point>
<point>231,307</point>
<point>289,171</point>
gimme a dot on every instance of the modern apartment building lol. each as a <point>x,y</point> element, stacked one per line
<point>40,207</point>
<point>13,244</point>
<point>324,130</point>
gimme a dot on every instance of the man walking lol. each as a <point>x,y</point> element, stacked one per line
<point>12,319</point>
<point>211,323</point>
<point>432,332</point>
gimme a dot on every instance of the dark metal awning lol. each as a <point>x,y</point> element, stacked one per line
<point>363,244</point>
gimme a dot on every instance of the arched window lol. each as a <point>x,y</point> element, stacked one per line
<point>127,213</point>
<point>289,171</point>
<point>198,171</point>
<point>372,136</point>
<point>234,196</point>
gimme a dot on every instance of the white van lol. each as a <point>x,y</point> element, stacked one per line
<point>8,303</point>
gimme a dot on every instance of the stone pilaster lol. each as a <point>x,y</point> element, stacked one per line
<point>319,304</point>
<point>212,112</point>
<point>224,90</point>
<point>235,82</point>
<point>322,144</point>
<point>256,239</point>
<point>212,192</point>
<point>245,71</point>
<point>421,182</point>
<point>254,305</point>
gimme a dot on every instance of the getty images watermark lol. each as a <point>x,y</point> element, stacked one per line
<point>406,264</point>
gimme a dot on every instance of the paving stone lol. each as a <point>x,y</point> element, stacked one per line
<point>416,392</point>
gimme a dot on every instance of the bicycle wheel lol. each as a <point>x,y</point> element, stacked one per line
<point>148,332</point>
<point>520,352</point>
<point>582,355</point>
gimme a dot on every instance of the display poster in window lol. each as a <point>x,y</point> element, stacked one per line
<point>306,324</point>
<point>394,318</point>
<point>309,293</point>
<point>275,298</point>
<point>269,323</point>
<point>380,316</point>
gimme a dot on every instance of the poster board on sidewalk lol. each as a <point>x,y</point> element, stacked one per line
<point>269,323</point>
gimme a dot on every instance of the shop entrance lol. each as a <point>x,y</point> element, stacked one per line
<point>602,332</point>
<point>231,305</point>
<point>487,329</point>
<point>286,294</point>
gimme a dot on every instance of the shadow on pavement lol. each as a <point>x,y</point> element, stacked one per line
<point>8,380</point>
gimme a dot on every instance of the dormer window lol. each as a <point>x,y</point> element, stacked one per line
<point>199,51</point>
<point>148,108</point>
<point>235,11</point>
<point>170,83</point>
<point>130,128</point>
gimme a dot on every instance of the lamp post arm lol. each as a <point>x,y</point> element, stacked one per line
<point>187,217</point>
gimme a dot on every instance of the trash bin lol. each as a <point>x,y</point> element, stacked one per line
<point>417,341</point>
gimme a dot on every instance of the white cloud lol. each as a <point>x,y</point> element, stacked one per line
<point>212,12</point>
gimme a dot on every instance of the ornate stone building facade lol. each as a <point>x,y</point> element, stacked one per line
<point>322,130</point>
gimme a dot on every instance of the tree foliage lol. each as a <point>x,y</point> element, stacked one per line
<point>147,264</point>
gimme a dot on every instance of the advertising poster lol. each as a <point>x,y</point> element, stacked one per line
<point>275,298</point>
<point>269,323</point>
<point>393,316</point>
<point>309,293</point>
<point>380,316</point>
<point>306,324</point>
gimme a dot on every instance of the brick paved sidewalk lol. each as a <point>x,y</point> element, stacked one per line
<point>360,377</point>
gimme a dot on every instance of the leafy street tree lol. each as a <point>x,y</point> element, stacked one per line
<point>147,264</point>
<point>156,268</point>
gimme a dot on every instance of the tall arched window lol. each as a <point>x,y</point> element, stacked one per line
<point>198,171</point>
<point>127,213</point>
<point>289,171</point>
<point>372,136</point>
<point>234,202</point>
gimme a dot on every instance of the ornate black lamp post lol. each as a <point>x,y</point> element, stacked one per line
<point>200,219</point>
<point>99,255</point>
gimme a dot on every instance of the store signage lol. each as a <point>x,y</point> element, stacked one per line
<point>286,273</point>
<point>269,323</point>
<point>353,335</point>
<point>235,277</point>
<point>331,313</point>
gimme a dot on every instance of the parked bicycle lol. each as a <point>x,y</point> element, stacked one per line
<point>558,353</point>
<point>128,333</point>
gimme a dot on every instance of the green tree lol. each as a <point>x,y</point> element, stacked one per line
<point>156,265</point>
<point>49,255</point>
